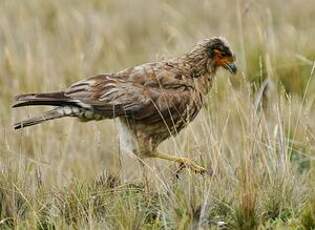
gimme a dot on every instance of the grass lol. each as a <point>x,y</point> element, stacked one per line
<point>70,175</point>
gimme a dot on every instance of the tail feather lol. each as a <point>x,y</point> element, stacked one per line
<point>65,107</point>
<point>49,115</point>
<point>53,99</point>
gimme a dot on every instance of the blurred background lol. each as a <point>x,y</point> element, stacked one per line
<point>47,45</point>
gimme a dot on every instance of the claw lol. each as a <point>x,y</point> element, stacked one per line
<point>192,166</point>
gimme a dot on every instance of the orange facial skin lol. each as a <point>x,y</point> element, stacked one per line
<point>220,60</point>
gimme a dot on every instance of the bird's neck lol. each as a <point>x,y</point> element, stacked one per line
<point>198,67</point>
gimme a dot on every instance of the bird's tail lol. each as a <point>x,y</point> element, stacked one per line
<point>49,115</point>
<point>65,107</point>
<point>53,99</point>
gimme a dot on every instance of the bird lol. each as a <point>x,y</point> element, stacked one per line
<point>151,101</point>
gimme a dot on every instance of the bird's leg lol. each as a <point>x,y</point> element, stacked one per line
<point>183,161</point>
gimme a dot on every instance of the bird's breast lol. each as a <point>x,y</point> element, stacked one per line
<point>170,124</point>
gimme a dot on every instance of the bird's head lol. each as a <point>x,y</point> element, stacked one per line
<point>220,54</point>
<point>210,54</point>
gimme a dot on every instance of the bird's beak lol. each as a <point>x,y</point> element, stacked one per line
<point>231,67</point>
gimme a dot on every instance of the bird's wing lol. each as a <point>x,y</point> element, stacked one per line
<point>149,93</point>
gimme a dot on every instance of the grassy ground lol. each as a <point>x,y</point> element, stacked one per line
<point>66,174</point>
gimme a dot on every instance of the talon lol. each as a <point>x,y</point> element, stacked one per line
<point>193,166</point>
<point>200,170</point>
<point>179,169</point>
<point>181,166</point>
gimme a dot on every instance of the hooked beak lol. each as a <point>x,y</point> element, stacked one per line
<point>231,67</point>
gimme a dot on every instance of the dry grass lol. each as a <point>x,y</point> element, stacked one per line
<point>65,174</point>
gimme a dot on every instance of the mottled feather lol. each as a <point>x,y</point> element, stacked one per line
<point>153,100</point>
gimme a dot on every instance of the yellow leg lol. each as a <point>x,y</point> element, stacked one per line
<point>183,161</point>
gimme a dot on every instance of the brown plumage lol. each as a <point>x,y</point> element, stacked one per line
<point>152,101</point>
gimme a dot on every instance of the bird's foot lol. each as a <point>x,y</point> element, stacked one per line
<point>187,163</point>
<point>183,163</point>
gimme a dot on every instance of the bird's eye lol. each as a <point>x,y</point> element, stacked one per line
<point>224,54</point>
<point>220,52</point>
<point>224,51</point>
<point>227,53</point>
